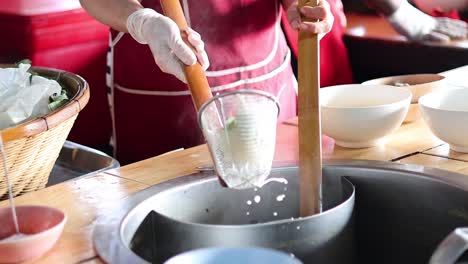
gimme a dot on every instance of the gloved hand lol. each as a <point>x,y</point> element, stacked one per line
<point>418,26</point>
<point>163,37</point>
<point>321,12</point>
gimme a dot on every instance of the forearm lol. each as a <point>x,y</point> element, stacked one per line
<point>113,13</point>
<point>384,7</point>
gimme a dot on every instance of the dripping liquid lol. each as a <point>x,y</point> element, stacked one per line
<point>10,193</point>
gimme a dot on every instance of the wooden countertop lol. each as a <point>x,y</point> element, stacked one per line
<point>86,199</point>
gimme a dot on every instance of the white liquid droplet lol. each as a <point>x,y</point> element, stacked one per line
<point>280,197</point>
<point>275,213</point>
<point>255,189</point>
<point>249,202</point>
<point>257,198</point>
<point>292,255</point>
<point>248,213</point>
<point>292,218</point>
<point>298,227</point>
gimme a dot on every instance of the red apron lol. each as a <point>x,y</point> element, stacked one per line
<point>153,112</point>
<point>334,61</point>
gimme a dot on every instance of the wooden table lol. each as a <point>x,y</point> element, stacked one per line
<point>86,199</point>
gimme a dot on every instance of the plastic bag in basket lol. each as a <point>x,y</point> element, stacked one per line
<point>24,96</point>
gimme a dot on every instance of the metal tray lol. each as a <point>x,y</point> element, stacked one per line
<point>76,160</point>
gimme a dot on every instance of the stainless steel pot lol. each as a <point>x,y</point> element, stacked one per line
<point>452,248</point>
<point>233,218</point>
<point>401,213</point>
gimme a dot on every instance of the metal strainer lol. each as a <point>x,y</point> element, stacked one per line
<point>240,129</point>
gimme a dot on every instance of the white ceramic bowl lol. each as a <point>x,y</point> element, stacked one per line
<point>359,116</point>
<point>418,84</point>
<point>446,114</point>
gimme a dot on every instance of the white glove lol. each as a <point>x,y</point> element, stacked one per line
<point>416,25</point>
<point>162,35</point>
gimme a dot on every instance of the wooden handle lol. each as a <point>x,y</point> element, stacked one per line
<point>310,136</point>
<point>196,79</point>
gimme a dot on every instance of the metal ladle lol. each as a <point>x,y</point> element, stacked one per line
<point>243,110</point>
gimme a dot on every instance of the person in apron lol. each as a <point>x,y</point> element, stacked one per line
<point>152,111</point>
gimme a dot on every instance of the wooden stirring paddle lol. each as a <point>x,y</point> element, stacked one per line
<point>310,136</point>
<point>196,79</point>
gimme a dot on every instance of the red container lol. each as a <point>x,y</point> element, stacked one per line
<point>60,34</point>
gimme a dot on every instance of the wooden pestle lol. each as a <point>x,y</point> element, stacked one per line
<point>196,79</point>
<point>310,136</point>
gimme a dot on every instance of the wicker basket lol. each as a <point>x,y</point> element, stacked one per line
<point>33,147</point>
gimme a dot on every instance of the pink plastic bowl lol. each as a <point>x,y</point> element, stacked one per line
<point>42,224</point>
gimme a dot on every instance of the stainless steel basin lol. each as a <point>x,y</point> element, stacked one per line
<point>401,213</point>
<point>76,160</point>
